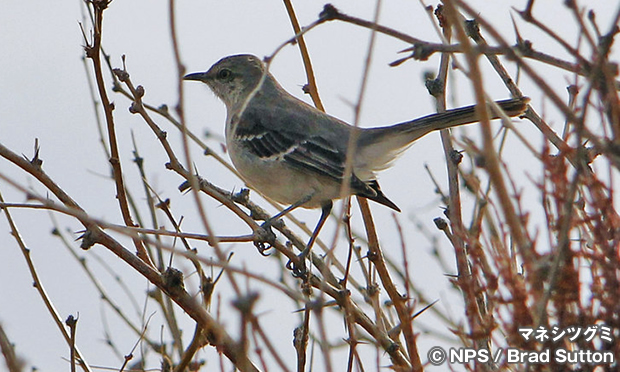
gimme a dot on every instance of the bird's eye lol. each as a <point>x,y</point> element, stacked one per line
<point>224,74</point>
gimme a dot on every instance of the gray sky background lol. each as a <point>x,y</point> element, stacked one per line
<point>44,94</point>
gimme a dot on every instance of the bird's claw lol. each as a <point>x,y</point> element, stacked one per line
<point>263,235</point>
<point>298,266</point>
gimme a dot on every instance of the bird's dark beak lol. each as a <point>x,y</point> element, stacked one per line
<point>198,76</point>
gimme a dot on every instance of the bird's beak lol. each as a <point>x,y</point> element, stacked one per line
<point>198,76</point>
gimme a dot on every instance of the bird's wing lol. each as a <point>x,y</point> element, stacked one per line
<point>301,150</point>
<point>306,139</point>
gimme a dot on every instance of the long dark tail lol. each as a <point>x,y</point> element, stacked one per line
<point>378,147</point>
<point>410,131</point>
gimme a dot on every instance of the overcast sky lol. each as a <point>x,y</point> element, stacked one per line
<point>44,94</point>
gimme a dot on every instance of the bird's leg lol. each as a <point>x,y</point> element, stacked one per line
<point>288,209</point>
<point>299,268</point>
<point>265,235</point>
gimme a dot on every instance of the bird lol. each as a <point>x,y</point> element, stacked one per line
<point>296,155</point>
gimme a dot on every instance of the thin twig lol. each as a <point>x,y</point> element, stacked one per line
<point>93,51</point>
<point>41,289</point>
<point>400,303</point>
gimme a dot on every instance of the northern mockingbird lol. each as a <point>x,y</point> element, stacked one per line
<point>295,154</point>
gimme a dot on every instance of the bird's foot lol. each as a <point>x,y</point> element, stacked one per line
<point>264,238</point>
<point>298,265</point>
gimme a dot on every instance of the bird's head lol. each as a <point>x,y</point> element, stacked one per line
<point>232,78</point>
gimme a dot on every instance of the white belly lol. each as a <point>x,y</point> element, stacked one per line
<point>280,182</point>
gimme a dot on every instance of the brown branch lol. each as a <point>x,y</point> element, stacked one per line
<point>13,363</point>
<point>422,50</point>
<point>83,262</point>
<point>93,51</point>
<point>171,286</point>
<point>311,88</point>
<point>400,303</point>
<point>466,281</point>
<point>492,166</point>
<point>571,117</point>
<point>39,286</point>
<point>330,13</point>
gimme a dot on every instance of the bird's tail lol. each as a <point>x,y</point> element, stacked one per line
<point>378,147</point>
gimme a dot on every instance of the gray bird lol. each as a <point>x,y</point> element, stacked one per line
<point>295,154</point>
